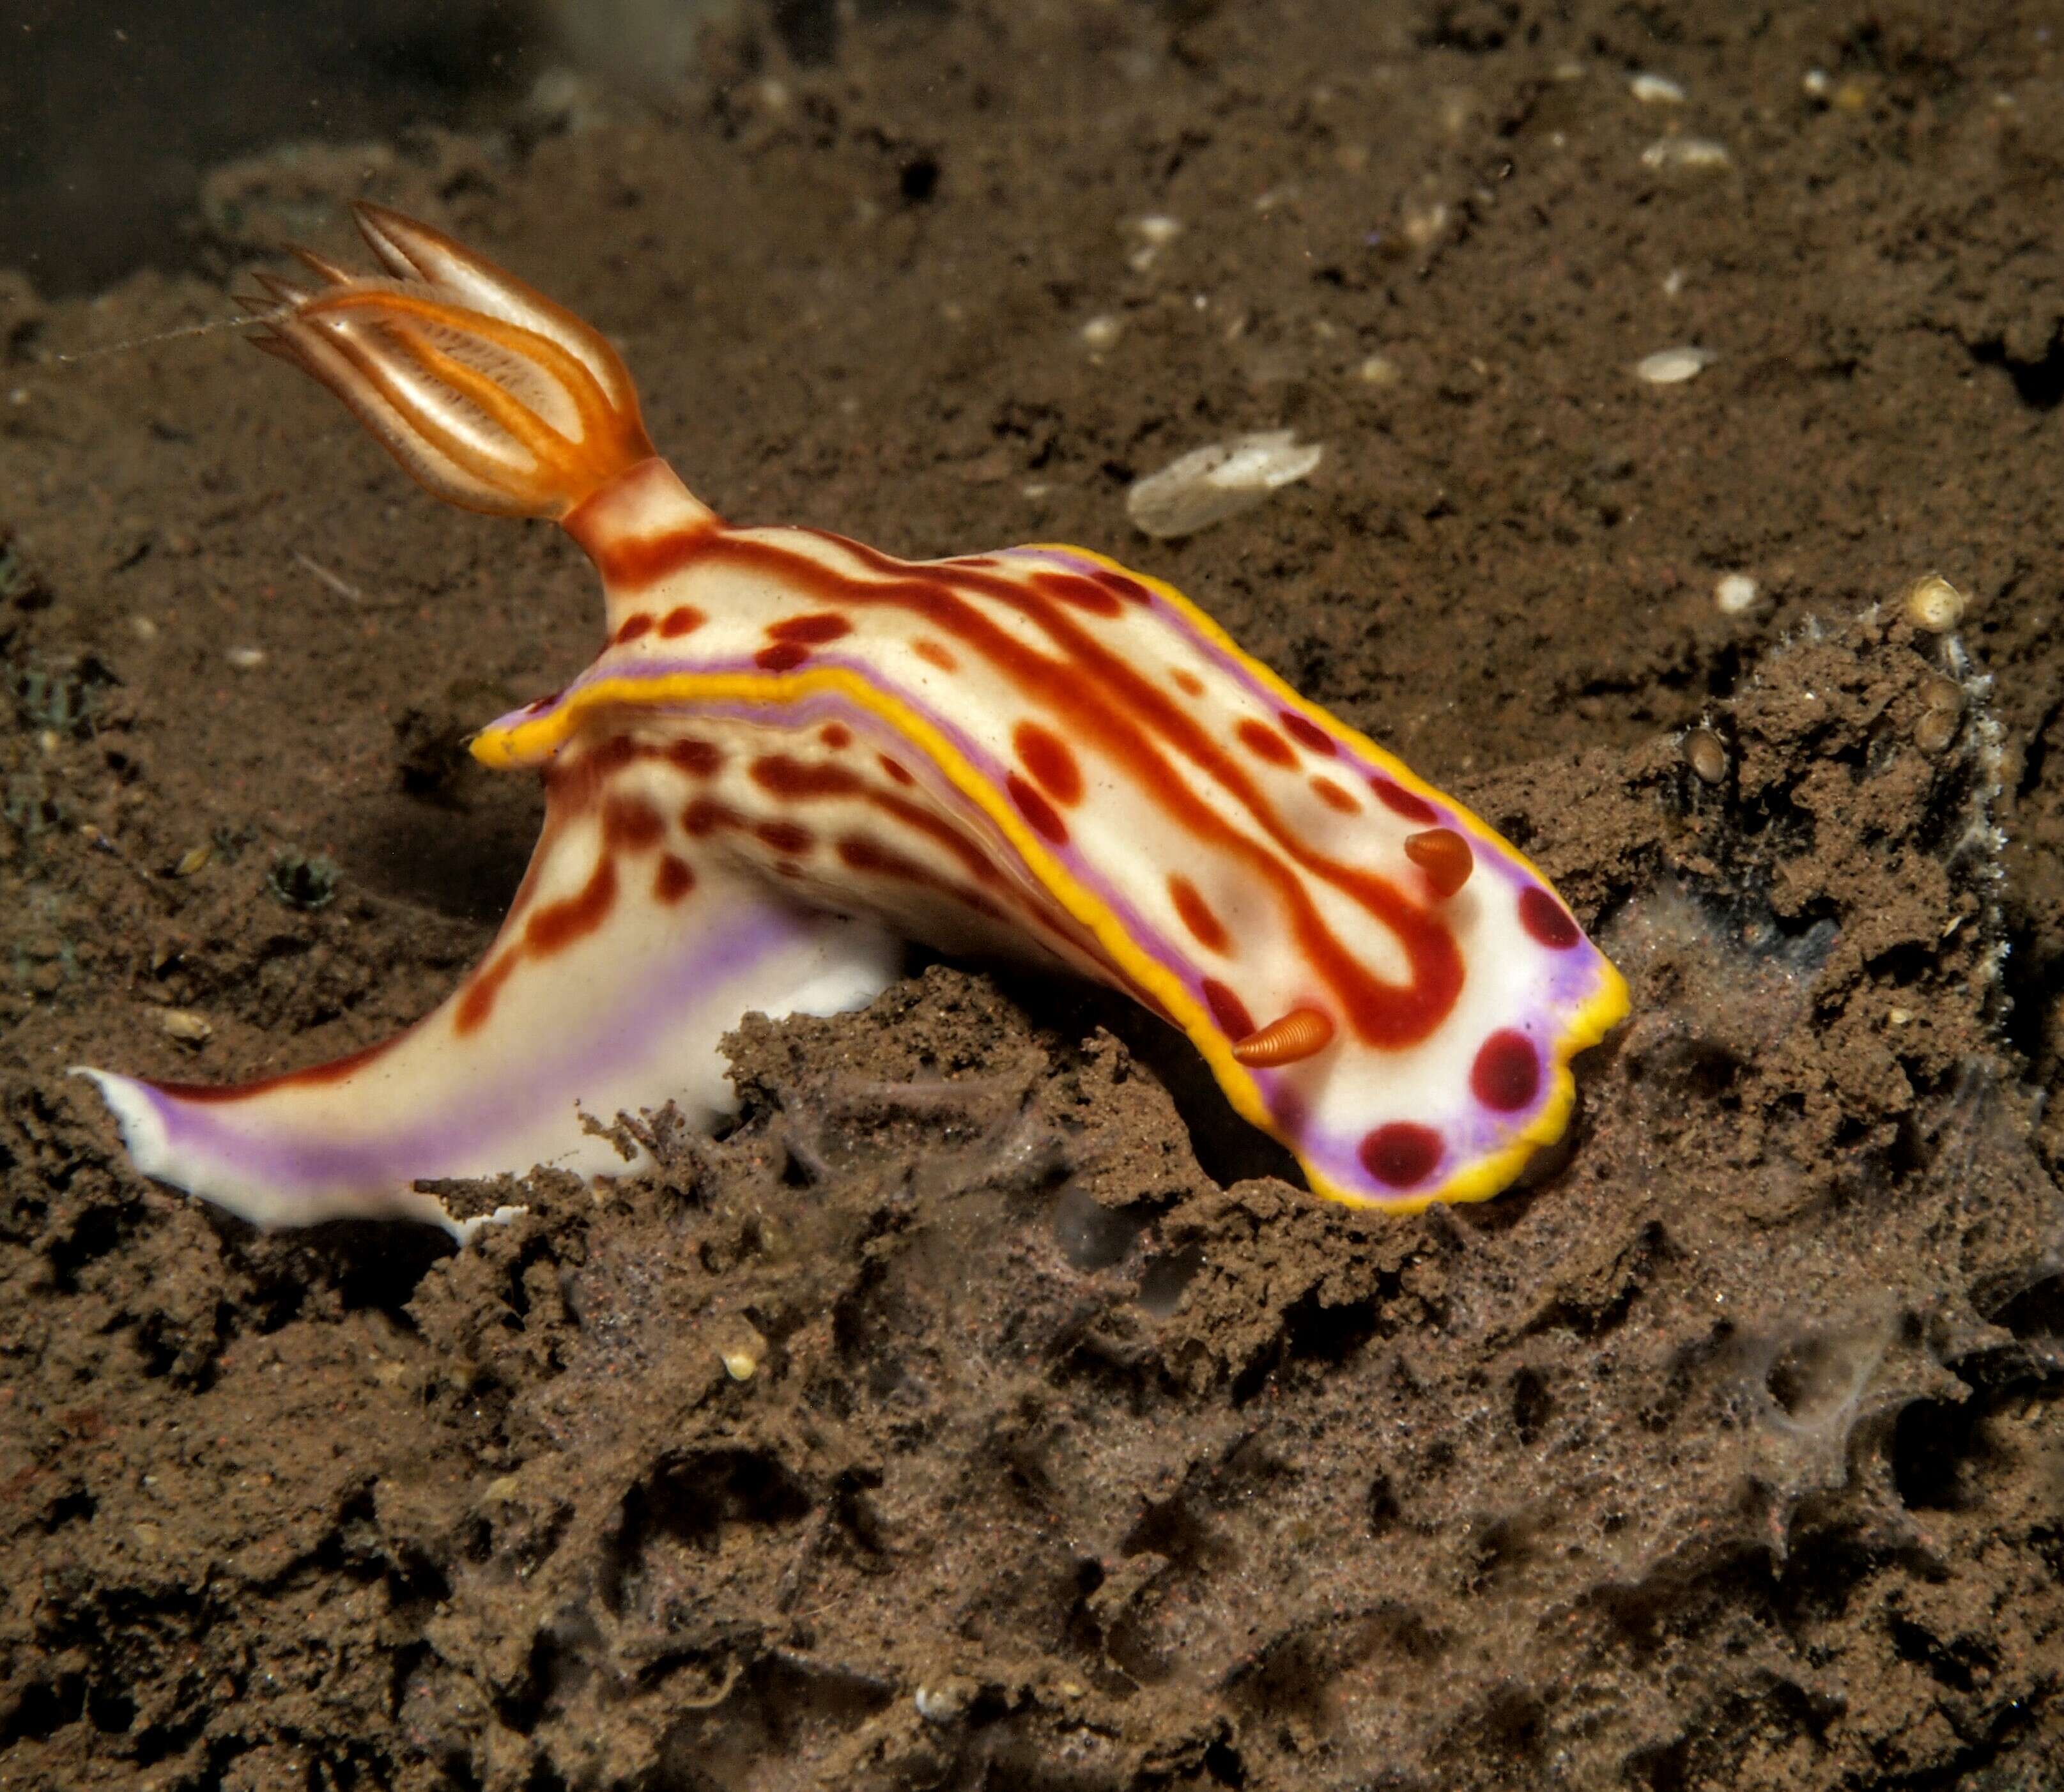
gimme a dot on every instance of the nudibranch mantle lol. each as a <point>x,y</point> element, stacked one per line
<point>794,749</point>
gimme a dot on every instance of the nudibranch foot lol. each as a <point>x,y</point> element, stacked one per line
<point>629,952</point>
<point>793,749</point>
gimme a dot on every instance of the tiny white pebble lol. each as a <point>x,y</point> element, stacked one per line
<point>1034,489</point>
<point>143,628</point>
<point>1655,90</point>
<point>1673,366</point>
<point>1155,232</point>
<point>1673,283</point>
<point>1933,603</point>
<point>1899,1017</point>
<point>1816,83</point>
<point>1686,152</point>
<point>741,1365</point>
<point>183,1024</point>
<point>1101,334</point>
<point>246,659</point>
<point>1378,370</point>
<point>1422,223</point>
<point>948,1702</point>
<point>1736,594</point>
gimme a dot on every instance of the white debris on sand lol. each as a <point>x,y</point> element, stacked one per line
<point>1210,484</point>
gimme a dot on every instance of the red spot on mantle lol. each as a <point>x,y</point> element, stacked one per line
<point>1546,919</point>
<point>1399,801</point>
<point>631,823</point>
<point>1306,733</point>
<point>1045,756</point>
<point>673,880</point>
<point>1196,913</point>
<point>698,758</point>
<point>1506,1075</point>
<point>812,631</point>
<point>1036,809</point>
<point>1401,1154</point>
<point>1227,1010</point>
<point>1263,742</point>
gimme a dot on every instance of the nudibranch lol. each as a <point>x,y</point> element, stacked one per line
<point>794,753</point>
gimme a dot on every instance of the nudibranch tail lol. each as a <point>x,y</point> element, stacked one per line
<point>488,393</point>
<point>629,952</point>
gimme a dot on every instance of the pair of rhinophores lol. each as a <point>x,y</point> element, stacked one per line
<point>794,751</point>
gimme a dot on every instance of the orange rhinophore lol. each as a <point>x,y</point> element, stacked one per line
<point>490,395</point>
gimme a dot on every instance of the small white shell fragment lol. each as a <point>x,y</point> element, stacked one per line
<point>1816,83</point>
<point>1933,603</point>
<point>246,659</point>
<point>143,628</point>
<point>948,1701</point>
<point>1101,334</point>
<point>1686,152</point>
<point>1155,232</point>
<point>1674,366</point>
<point>183,1024</point>
<point>1735,594</point>
<point>740,1348</point>
<point>1210,484</point>
<point>1378,370</point>
<point>1655,90</point>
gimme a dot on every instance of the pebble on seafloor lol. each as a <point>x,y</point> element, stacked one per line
<point>1674,366</point>
<point>1734,594</point>
<point>740,1347</point>
<point>948,1701</point>
<point>1933,603</point>
<point>1655,90</point>
<point>1705,756</point>
<point>1210,484</point>
<point>185,1025</point>
<point>1100,334</point>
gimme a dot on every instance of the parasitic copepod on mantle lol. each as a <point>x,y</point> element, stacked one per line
<point>794,751</point>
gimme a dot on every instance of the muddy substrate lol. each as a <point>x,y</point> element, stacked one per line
<point>984,1409</point>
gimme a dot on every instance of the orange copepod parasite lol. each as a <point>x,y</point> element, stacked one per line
<point>794,752</point>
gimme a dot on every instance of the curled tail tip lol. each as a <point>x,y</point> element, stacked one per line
<point>488,393</point>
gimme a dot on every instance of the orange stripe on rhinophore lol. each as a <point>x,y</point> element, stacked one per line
<point>447,441</point>
<point>546,445</point>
